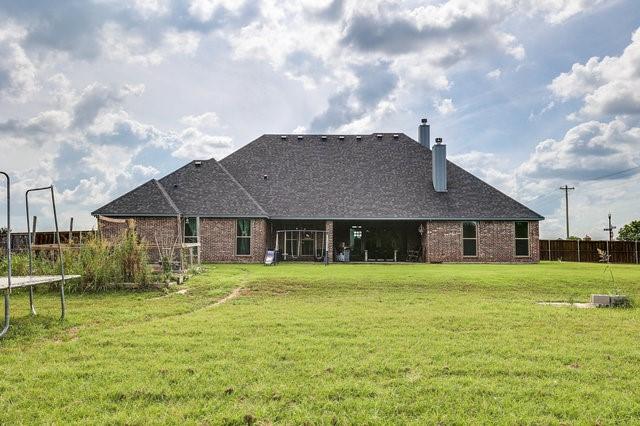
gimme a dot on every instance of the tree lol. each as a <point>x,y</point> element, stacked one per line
<point>630,232</point>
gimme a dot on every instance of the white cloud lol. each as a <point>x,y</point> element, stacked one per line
<point>207,120</point>
<point>192,144</point>
<point>608,86</point>
<point>17,72</point>
<point>558,11</point>
<point>120,44</point>
<point>587,150</point>
<point>494,74</point>
<point>203,10</point>
<point>444,106</point>
<point>548,107</point>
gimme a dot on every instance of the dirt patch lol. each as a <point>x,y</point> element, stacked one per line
<point>240,291</point>
<point>71,334</point>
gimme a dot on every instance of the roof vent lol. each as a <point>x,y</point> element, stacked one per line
<point>395,136</point>
<point>175,185</point>
<point>299,137</point>
<point>283,137</point>
<point>358,137</point>
<point>265,177</point>
<point>341,137</point>
<point>197,163</point>
<point>379,136</point>
<point>324,138</point>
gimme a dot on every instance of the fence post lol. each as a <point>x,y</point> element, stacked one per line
<point>578,250</point>
<point>549,248</point>
<point>636,251</point>
<point>607,247</point>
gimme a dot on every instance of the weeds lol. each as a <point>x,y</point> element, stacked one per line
<point>102,265</point>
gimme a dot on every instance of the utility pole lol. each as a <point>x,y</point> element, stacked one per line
<point>610,229</point>
<point>566,190</point>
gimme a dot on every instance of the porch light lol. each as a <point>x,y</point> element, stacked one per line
<point>421,229</point>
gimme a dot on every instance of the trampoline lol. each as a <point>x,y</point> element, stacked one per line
<point>10,282</point>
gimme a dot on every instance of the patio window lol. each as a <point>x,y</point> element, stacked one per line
<point>522,239</point>
<point>243,237</point>
<point>469,239</point>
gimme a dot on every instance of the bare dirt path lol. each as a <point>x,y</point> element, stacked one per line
<point>233,295</point>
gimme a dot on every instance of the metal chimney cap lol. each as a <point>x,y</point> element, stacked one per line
<point>424,121</point>
<point>438,141</point>
<point>324,137</point>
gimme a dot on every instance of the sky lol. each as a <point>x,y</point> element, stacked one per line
<point>100,96</point>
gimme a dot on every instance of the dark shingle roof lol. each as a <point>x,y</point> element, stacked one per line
<point>367,178</point>
<point>332,177</point>
<point>204,189</point>
<point>149,199</point>
<point>209,190</point>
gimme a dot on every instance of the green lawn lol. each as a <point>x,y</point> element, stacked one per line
<point>345,344</point>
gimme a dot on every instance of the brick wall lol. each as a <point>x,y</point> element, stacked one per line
<point>218,240</point>
<point>442,242</point>
<point>164,230</point>
<point>217,237</point>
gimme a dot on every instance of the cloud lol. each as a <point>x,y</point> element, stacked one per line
<point>586,151</point>
<point>444,106</point>
<point>462,26</point>
<point>206,120</point>
<point>490,167</point>
<point>608,86</point>
<point>548,107</point>
<point>374,83</point>
<point>133,47</point>
<point>193,144</point>
<point>494,74</point>
<point>558,11</point>
<point>17,73</point>
<point>97,97</point>
<point>204,10</point>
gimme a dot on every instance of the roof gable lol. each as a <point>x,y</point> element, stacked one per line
<point>148,199</point>
<point>205,188</point>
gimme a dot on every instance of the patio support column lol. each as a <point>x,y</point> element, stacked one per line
<point>329,229</point>
<point>424,239</point>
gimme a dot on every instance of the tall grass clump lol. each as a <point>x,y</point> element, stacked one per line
<point>102,265</point>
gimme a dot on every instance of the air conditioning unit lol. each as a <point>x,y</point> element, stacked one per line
<point>606,300</point>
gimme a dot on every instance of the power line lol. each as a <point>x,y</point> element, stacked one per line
<point>613,174</point>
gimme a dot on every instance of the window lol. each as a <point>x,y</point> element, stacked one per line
<point>191,230</point>
<point>522,239</point>
<point>469,239</point>
<point>243,237</point>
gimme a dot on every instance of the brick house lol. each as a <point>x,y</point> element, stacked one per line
<point>355,197</point>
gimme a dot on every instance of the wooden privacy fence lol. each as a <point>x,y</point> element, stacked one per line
<point>587,251</point>
<point>44,239</point>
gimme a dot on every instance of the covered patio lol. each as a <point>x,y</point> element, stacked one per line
<point>376,241</point>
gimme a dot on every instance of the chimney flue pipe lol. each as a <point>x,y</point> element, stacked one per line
<point>424,133</point>
<point>439,166</point>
